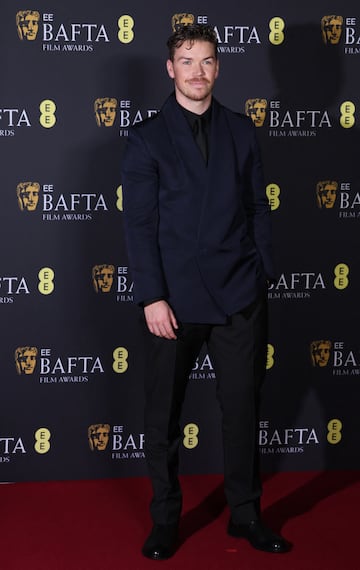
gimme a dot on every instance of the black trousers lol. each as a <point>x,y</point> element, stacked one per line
<point>238,352</point>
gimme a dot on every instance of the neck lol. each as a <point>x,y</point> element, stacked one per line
<point>197,107</point>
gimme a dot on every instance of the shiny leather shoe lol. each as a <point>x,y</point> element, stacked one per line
<point>161,542</point>
<point>259,536</point>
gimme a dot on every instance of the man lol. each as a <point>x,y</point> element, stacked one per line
<point>197,227</point>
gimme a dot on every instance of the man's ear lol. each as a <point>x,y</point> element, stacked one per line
<point>170,68</point>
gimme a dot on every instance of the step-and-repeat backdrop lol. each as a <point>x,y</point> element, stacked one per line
<point>74,78</point>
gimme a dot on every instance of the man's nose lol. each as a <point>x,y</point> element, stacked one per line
<point>199,70</point>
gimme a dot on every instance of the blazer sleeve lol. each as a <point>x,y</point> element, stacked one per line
<point>141,218</point>
<point>258,208</point>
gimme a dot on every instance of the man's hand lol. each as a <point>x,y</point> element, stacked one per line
<point>160,320</point>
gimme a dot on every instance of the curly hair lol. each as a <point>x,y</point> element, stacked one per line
<point>191,33</point>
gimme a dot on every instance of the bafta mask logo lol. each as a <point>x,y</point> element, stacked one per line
<point>326,193</point>
<point>103,278</point>
<point>179,20</point>
<point>256,109</point>
<point>25,359</point>
<point>98,436</point>
<point>28,195</point>
<point>320,353</point>
<point>27,23</point>
<point>331,28</point>
<point>105,111</point>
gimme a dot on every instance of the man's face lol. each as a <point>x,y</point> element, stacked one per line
<point>327,196</point>
<point>321,355</point>
<point>258,113</point>
<point>194,71</point>
<point>100,439</point>
<point>30,198</point>
<point>107,114</point>
<point>105,279</point>
<point>27,361</point>
<point>30,27</point>
<point>333,31</point>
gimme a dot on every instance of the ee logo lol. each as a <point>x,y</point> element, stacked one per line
<point>46,281</point>
<point>125,33</point>
<point>334,431</point>
<point>276,35</point>
<point>341,272</point>
<point>120,364</point>
<point>191,432</point>
<point>119,201</point>
<point>270,356</point>
<point>47,110</point>
<point>273,193</point>
<point>347,110</point>
<point>42,440</point>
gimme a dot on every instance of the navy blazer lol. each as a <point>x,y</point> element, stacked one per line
<point>198,236</point>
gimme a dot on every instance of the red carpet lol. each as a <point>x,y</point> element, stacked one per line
<point>101,525</point>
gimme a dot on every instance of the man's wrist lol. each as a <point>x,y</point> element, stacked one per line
<point>151,301</point>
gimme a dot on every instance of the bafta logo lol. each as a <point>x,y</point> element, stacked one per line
<point>256,109</point>
<point>331,28</point>
<point>326,193</point>
<point>179,20</point>
<point>103,277</point>
<point>28,195</point>
<point>105,111</point>
<point>27,23</point>
<point>98,436</point>
<point>25,359</point>
<point>320,353</point>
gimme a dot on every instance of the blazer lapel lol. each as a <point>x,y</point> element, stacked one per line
<point>206,183</point>
<point>222,153</point>
<point>183,140</point>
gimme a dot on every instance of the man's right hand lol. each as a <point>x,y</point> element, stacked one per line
<point>161,320</point>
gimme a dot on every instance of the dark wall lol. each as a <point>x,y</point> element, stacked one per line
<point>71,349</point>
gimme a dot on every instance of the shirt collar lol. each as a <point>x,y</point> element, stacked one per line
<point>191,117</point>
